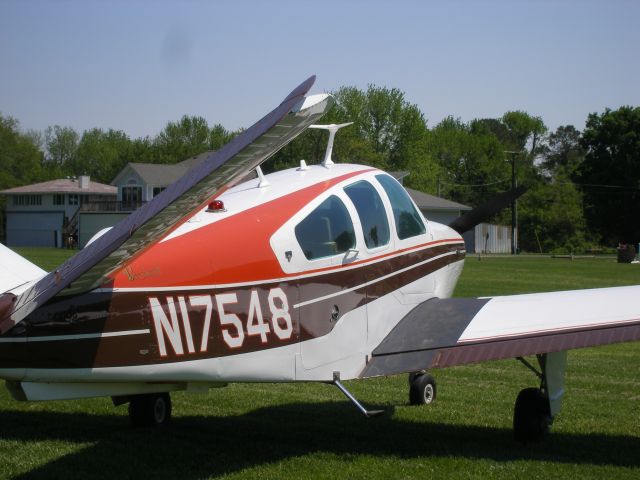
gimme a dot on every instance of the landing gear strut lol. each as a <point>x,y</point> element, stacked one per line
<point>358,405</point>
<point>150,410</point>
<point>422,388</point>
<point>536,408</point>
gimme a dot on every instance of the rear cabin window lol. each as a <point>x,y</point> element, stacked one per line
<point>326,231</point>
<point>408,221</point>
<point>375,225</point>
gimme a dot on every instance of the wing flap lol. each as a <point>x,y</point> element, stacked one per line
<point>220,170</point>
<point>448,332</point>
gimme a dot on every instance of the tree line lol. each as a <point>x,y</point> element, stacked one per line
<point>583,186</point>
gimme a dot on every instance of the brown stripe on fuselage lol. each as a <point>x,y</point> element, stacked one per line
<point>102,313</point>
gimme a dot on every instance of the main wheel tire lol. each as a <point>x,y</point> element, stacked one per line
<point>150,410</point>
<point>422,389</point>
<point>531,416</point>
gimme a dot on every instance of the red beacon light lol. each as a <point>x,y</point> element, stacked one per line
<point>216,206</point>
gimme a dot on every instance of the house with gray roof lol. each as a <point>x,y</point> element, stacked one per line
<point>46,214</point>
<point>483,238</point>
<point>138,183</point>
<point>433,208</point>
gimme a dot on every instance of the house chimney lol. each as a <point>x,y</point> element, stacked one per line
<point>84,181</point>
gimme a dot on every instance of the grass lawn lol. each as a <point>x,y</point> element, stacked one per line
<point>302,431</point>
<point>47,258</point>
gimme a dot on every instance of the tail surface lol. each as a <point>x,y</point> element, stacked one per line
<point>16,270</point>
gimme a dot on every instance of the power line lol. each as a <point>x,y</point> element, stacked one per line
<point>590,185</point>
<point>474,184</point>
<point>597,185</point>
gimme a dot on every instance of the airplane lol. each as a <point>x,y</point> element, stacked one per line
<point>320,273</point>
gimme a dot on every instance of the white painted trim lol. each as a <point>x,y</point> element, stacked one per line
<point>82,336</point>
<point>528,333</point>
<point>513,316</point>
<point>371,282</point>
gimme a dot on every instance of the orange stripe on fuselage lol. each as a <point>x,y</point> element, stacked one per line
<point>233,250</point>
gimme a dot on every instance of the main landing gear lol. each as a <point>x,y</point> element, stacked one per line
<point>536,408</point>
<point>422,388</point>
<point>150,409</point>
<point>531,416</point>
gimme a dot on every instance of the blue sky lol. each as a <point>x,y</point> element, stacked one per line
<point>136,65</point>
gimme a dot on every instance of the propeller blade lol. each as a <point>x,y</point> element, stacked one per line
<point>486,210</point>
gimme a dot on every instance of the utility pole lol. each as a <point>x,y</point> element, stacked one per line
<point>514,203</point>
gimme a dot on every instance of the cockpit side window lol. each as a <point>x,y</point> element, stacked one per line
<point>326,231</point>
<point>408,220</point>
<point>375,224</point>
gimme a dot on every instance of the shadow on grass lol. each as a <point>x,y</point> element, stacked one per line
<point>196,447</point>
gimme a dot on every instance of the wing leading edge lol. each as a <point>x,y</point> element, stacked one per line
<point>454,331</point>
<point>219,171</point>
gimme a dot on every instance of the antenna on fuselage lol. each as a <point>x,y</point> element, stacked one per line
<point>263,180</point>
<point>333,128</point>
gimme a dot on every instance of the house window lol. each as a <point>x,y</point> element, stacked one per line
<point>131,197</point>
<point>74,199</point>
<point>157,191</point>
<point>27,200</point>
<point>58,199</point>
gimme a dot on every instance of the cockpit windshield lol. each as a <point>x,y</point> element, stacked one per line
<point>408,220</point>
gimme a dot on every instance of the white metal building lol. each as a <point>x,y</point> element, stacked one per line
<point>489,238</point>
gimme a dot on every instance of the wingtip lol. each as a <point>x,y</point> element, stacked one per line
<point>301,89</point>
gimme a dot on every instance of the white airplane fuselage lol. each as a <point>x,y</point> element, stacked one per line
<point>244,293</point>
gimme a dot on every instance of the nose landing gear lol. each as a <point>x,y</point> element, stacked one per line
<point>150,410</point>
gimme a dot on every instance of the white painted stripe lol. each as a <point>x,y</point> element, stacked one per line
<point>371,282</point>
<point>82,336</point>
<point>573,328</point>
<point>274,280</point>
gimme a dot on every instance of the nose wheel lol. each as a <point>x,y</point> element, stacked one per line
<point>150,410</point>
<point>422,388</point>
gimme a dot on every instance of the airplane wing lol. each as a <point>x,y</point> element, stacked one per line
<point>219,171</point>
<point>455,331</point>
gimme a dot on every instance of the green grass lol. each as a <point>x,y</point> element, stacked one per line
<point>47,258</point>
<point>297,431</point>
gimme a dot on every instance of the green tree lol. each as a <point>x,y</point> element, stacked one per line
<point>526,134</point>
<point>471,161</point>
<point>185,138</point>
<point>219,137</point>
<point>388,132</point>
<point>563,152</point>
<point>392,127</point>
<point>551,218</point>
<point>612,144</point>
<point>20,160</point>
<point>103,154</point>
<point>523,131</point>
<point>61,144</point>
